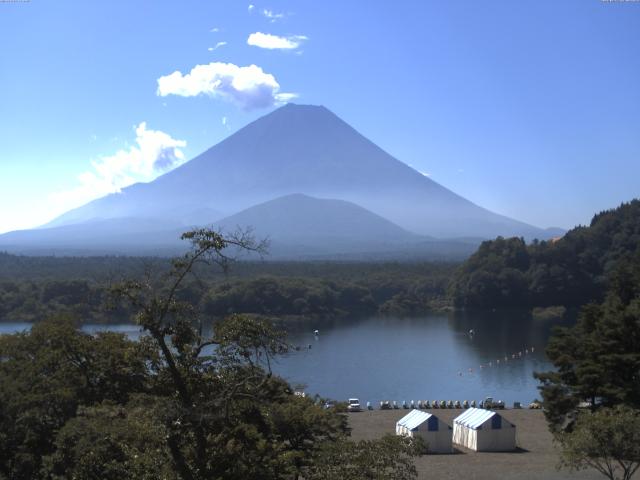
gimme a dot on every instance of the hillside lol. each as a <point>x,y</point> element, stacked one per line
<point>307,225</point>
<point>571,271</point>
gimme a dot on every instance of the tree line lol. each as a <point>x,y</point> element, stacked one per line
<point>325,290</point>
<point>571,271</point>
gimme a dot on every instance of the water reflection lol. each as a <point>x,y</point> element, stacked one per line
<point>431,357</point>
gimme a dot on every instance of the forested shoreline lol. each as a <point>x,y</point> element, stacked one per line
<point>570,272</point>
<point>33,288</point>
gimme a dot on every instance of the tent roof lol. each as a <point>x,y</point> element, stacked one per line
<point>474,417</point>
<point>414,419</point>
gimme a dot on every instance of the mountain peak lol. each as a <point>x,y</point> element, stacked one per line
<point>302,107</point>
<point>303,149</point>
<point>301,116</point>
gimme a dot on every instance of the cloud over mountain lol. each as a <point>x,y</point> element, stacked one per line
<point>248,87</point>
<point>155,152</point>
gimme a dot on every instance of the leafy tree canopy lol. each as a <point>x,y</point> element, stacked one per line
<point>570,271</point>
<point>607,440</point>
<point>177,404</point>
<point>597,360</point>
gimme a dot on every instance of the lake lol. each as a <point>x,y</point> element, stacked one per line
<point>426,358</point>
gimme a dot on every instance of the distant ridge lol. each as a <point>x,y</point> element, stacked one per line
<point>297,226</point>
<point>306,225</point>
<point>296,149</point>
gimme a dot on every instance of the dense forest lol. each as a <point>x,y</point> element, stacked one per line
<point>177,404</point>
<point>570,271</point>
<point>32,288</point>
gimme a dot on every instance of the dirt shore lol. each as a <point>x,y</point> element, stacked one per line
<point>536,457</point>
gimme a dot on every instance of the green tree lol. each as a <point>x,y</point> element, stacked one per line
<point>179,403</point>
<point>607,440</point>
<point>111,442</point>
<point>46,374</point>
<point>597,360</point>
<point>570,271</point>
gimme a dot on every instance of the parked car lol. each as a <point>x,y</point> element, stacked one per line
<point>354,405</point>
<point>490,403</point>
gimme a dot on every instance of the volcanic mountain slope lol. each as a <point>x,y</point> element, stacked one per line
<point>309,150</point>
<point>296,226</point>
<point>302,225</point>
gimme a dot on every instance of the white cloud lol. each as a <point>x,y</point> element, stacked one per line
<point>250,8</point>
<point>273,16</point>
<point>287,97</point>
<point>224,121</point>
<point>154,152</point>
<point>214,30</point>
<point>217,46</point>
<point>273,42</point>
<point>248,87</point>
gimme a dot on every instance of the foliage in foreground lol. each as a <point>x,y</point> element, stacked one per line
<point>176,404</point>
<point>598,364</point>
<point>597,360</point>
<point>388,458</point>
<point>607,440</point>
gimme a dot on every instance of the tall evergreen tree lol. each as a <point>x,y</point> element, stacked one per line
<point>598,360</point>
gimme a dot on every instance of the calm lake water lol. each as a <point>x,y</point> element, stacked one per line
<point>426,358</point>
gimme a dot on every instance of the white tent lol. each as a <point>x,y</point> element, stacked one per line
<point>484,431</point>
<point>435,433</point>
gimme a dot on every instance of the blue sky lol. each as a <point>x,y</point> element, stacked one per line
<point>528,108</point>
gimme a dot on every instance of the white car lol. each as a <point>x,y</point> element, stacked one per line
<point>354,405</point>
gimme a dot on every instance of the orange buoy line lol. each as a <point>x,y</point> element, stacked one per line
<point>514,356</point>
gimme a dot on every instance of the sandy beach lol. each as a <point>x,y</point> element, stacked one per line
<point>536,457</point>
